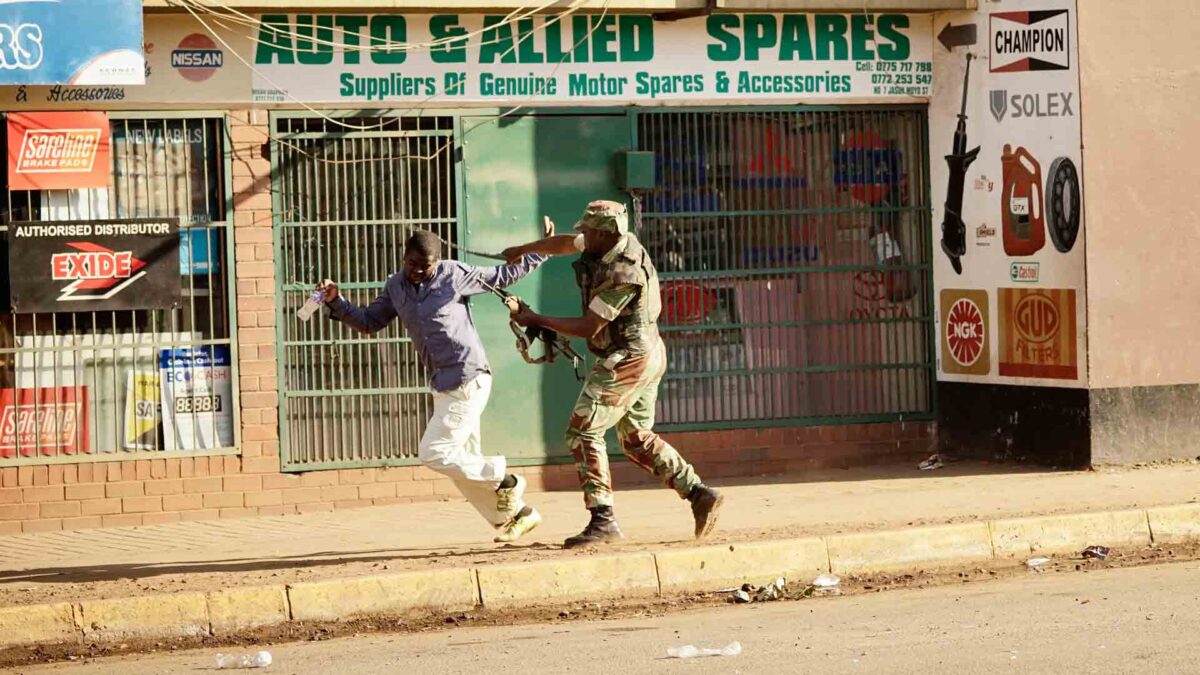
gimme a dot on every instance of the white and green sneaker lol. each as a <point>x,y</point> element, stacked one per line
<point>510,501</point>
<point>519,526</point>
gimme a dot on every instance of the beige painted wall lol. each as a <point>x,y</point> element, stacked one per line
<point>1141,136</point>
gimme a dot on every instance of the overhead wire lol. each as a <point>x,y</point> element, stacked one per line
<point>595,25</point>
<point>190,5</point>
<point>374,44</point>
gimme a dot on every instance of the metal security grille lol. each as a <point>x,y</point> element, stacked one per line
<point>345,201</point>
<point>794,250</point>
<point>85,386</point>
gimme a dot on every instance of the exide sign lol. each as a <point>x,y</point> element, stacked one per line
<point>92,265</point>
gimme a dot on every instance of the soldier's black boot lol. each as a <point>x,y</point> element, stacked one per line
<point>602,528</point>
<point>706,506</point>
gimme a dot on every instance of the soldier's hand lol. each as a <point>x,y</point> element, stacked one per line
<point>547,227</point>
<point>524,316</point>
<point>330,289</point>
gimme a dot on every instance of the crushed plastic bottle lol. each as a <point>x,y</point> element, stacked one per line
<point>311,305</point>
<point>827,584</point>
<point>690,652</point>
<point>227,661</point>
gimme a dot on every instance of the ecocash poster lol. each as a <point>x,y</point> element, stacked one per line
<point>1009,227</point>
<point>186,66</point>
<point>197,397</point>
<point>594,58</point>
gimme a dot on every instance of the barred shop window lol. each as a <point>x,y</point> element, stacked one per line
<point>89,384</point>
<point>793,247</point>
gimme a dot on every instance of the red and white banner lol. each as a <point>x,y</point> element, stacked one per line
<point>48,421</point>
<point>58,150</point>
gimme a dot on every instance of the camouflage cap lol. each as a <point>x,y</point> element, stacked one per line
<point>605,216</point>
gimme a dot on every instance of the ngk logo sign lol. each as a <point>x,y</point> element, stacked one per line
<point>965,332</point>
<point>95,272</point>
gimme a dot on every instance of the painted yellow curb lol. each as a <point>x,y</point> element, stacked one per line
<point>337,599</point>
<point>239,609</point>
<point>1015,538</point>
<point>1175,524</point>
<point>619,576</point>
<point>712,567</point>
<point>150,616</point>
<point>900,549</point>
<point>33,624</point>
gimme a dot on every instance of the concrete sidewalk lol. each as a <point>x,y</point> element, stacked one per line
<point>210,556</point>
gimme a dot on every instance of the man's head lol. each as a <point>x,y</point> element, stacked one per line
<point>603,223</point>
<point>422,252</point>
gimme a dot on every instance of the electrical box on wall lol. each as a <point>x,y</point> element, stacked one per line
<point>635,170</point>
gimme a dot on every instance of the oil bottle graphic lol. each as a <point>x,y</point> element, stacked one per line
<point>1022,203</point>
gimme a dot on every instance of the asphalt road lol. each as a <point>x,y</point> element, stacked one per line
<point>1132,620</point>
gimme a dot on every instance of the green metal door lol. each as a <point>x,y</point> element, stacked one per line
<point>516,169</point>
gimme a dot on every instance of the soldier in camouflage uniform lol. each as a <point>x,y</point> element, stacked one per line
<point>621,305</point>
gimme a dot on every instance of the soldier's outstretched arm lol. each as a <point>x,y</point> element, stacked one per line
<point>559,244</point>
<point>549,245</point>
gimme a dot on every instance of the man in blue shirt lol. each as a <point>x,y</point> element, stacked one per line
<point>431,297</point>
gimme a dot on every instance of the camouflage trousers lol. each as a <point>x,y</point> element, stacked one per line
<point>624,397</point>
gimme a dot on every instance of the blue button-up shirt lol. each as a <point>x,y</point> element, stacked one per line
<point>437,315</point>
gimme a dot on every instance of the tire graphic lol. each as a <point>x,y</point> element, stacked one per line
<point>1063,204</point>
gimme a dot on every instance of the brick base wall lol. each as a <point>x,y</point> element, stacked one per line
<point>148,492</point>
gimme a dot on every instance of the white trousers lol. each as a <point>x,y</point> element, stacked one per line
<point>451,446</point>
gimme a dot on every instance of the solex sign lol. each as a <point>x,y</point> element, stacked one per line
<point>69,266</point>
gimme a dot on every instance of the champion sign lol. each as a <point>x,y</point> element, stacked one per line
<point>1030,41</point>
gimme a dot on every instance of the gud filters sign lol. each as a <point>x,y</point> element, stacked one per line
<point>965,348</point>
<point>1038,334</point>
<point>67,266</point>
<point>58,150</point>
